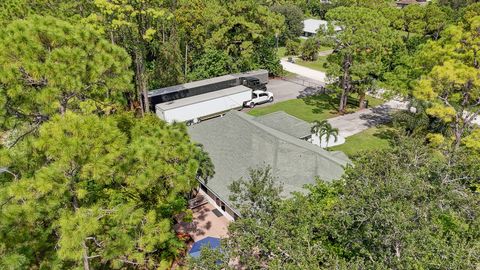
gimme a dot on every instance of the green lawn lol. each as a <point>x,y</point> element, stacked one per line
<point>370,139</point>
<point>325,48</point>
<point>312,108</point>
<point>319,64</point>
<point>281,52</point>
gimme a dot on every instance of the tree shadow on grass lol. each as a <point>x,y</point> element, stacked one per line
<point>322,103</point>
<point>329,103</point>
<point>387,133</point>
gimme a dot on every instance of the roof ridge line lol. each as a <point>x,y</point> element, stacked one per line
<point>296,141</point>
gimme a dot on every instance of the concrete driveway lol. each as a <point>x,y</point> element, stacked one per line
<point>353,123</point>
<point>303,71</point>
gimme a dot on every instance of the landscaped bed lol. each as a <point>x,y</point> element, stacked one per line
<point>313,108</point>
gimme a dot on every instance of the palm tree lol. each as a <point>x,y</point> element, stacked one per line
<point>323,128</point>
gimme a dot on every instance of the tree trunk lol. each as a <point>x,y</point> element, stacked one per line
<point>140,81</point>
<point>361,100</point>
<point>86,264</point>
<point>345,85</point>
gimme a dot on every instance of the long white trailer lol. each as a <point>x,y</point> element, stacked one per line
<point>196,108</point>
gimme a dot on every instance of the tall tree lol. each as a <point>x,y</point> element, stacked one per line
<point>244,31</point>
<point>452,86</point>
<point>365,40</point>
<point>96,192</point>
<point>293,21</point>
<point>137,26</point>
<point>49,66</point>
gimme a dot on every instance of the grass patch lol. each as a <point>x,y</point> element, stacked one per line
<point>324,48</point>
<point>312,108</point>
<point>319,64</point>
<point>371,139</point>
<point>281,52</point>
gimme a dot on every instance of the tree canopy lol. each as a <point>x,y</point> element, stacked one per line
<point>49,66</point>
<point>96,191</point>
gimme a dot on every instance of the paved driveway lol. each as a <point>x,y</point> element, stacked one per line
<point>303,71</point>
<point>353,123</point>
<point>284,90</point>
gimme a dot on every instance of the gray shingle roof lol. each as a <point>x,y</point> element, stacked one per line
<point>236,142</point>
<point>286,123</point>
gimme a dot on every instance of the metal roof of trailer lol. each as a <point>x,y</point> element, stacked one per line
<point>200,98</point>
<point>176,88</point>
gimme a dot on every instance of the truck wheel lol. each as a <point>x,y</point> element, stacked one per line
<point>270,99</point>
<point>251,105</point>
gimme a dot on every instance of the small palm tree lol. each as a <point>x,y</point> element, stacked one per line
<point>323,128</point>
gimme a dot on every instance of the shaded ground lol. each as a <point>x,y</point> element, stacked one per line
<point>351,124</point>
<point>205,223</point>
<point>319,107</point>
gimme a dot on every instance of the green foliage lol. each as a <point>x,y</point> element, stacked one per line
<point>210,64</point>
<point>309,49</point>
<point>256,195</point>
<point>49,66</point>
<point>451,86</point>
<point>100,189</point>
<point>293,21</point>
<point>292,47</point>
<point>324,129</point>
<point>394,209</point>
<point>360,50</point>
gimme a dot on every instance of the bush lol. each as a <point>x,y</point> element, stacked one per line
<point>292,47</point>
<point>309,49</point>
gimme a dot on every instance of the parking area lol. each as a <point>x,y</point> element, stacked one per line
<point>287,89</point>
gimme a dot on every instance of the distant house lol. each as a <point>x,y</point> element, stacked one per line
<point>237,142</point>
<point>312,26</point>
<point>404,3</point>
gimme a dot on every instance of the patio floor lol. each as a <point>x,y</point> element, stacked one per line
<point>205,223</point>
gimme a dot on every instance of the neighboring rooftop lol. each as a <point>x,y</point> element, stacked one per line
<point>237,142</point>
<point>312,25</point>
<point>286,123</point>
<point>403,3</point>
<point>200,98</point>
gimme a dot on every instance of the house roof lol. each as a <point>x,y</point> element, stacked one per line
<point>409,2</point>
<point>237,142</point>
<point>312,25</point>
<point>286,123</point>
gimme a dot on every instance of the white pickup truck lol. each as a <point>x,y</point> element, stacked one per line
<point>259,97</point>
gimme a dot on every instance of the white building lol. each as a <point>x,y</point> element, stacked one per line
<point>311,27</point>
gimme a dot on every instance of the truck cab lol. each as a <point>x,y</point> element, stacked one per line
<point>253,83</point>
